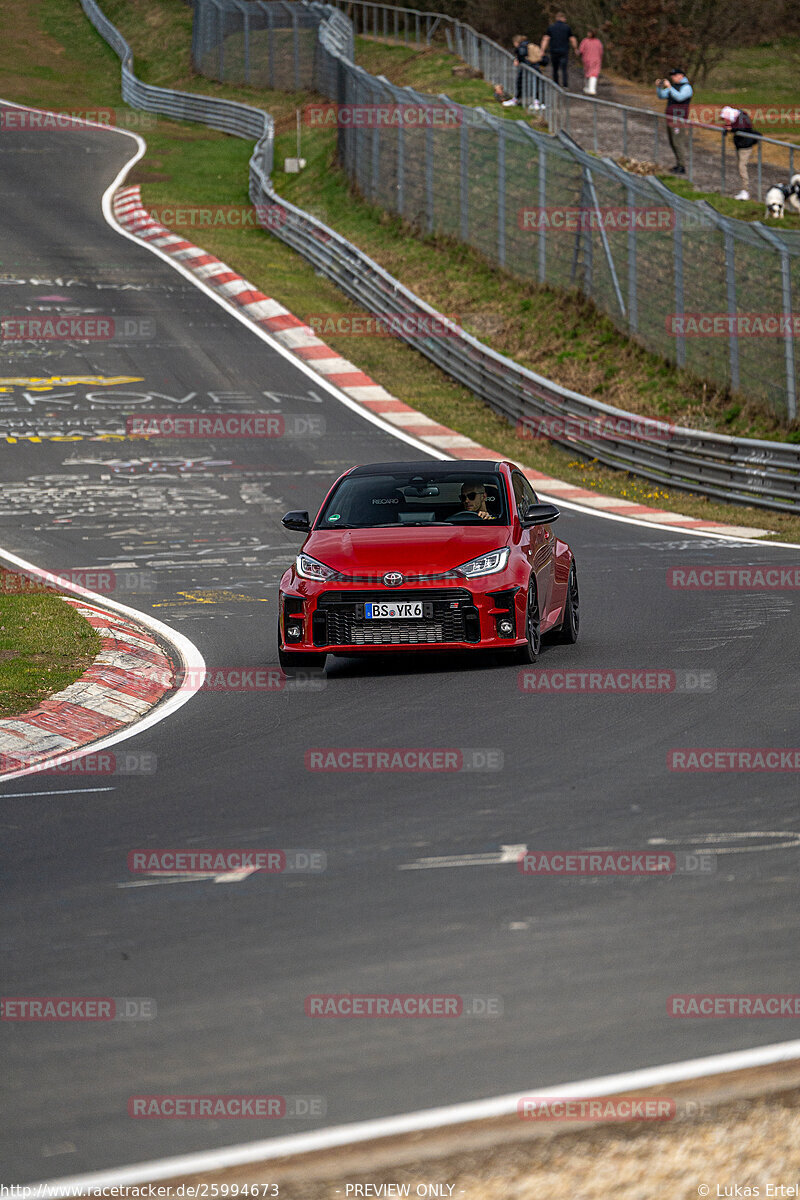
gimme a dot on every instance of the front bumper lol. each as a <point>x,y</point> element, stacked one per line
<point>458,616</point>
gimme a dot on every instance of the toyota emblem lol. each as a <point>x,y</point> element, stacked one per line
<point>393,579</point>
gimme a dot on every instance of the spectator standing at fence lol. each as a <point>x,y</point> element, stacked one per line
<point>557,41</point>
<point>536,61</point>
<point>520,46</point>
<point>738,122</point>
<point>677,91</point>
<point>590,51</point>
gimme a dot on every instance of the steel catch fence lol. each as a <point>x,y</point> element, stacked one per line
<point>545,210</point>
<point>758,472</point>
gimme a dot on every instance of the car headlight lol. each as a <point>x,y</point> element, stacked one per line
<point>487,564</point>
<point>309,568</point>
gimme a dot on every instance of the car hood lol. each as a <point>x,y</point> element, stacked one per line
<point>414,551</point>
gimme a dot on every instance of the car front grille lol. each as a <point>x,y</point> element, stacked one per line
<point>448,616</point>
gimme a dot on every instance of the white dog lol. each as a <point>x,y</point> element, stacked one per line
<point>776,197</point>
<point>774,203</point>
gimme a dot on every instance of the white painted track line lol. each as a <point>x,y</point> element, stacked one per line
<point>432,1118</point>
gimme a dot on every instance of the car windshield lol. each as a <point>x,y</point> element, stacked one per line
<point>416,500</point>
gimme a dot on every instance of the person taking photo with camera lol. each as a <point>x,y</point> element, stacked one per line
<point>677,91</point>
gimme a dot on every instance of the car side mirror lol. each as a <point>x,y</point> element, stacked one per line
<point>296,520</point>
<point>540,514</point>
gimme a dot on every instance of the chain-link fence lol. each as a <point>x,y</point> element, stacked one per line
<point>603,126</point>
<point>710,294</point>
<point>742,469</point>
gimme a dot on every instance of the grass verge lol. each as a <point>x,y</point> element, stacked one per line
<point>188,164</point>
<point>45,645</point>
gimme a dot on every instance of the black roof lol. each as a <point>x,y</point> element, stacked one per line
<point>421,466</point>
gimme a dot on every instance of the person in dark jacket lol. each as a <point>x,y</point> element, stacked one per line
<point>520,45</point>
<point>738,122</point>
<point>557,41</point>
<point>677,91</point>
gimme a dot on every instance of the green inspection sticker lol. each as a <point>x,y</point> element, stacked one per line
<point>335,517</point>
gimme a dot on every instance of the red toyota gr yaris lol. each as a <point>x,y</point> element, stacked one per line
<point>429,555</point>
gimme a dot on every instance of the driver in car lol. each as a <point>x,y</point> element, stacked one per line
<point>473,499</point>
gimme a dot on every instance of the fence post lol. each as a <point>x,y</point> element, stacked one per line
<point>680,339</point>
<point>271,38</point>
<point>296,47</point>
<point>786,288</point>
<point>401,154</point>
<point>542,207</point>
<point>633,299</point>
<point>463,191</point>
<point>376,160</point>
<point>220,44</point>
<point>730,285</point>
<point>501,194</point>
<point>722,164</point>
<point>429,179</point>
<point>786,297</point>
<point>656,124</point>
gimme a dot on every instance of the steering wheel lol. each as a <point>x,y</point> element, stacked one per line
<point>465,512</point>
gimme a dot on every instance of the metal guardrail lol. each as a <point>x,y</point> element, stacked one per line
<point>762,473</point>
<point>604,126</point>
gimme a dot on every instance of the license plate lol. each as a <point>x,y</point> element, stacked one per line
<point>397,610</point>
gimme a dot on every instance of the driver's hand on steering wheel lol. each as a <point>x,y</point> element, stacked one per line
<point>485,516</point>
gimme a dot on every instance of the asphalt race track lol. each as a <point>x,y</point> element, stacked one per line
<point>584,967</point>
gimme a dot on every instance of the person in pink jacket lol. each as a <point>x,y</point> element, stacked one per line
<point>591,52</point>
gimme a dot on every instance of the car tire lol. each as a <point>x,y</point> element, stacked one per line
<point>533,634</point>
<point>571,621</point>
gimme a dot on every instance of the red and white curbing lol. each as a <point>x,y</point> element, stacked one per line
<point>302,341</point>
<point>127,678</point>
